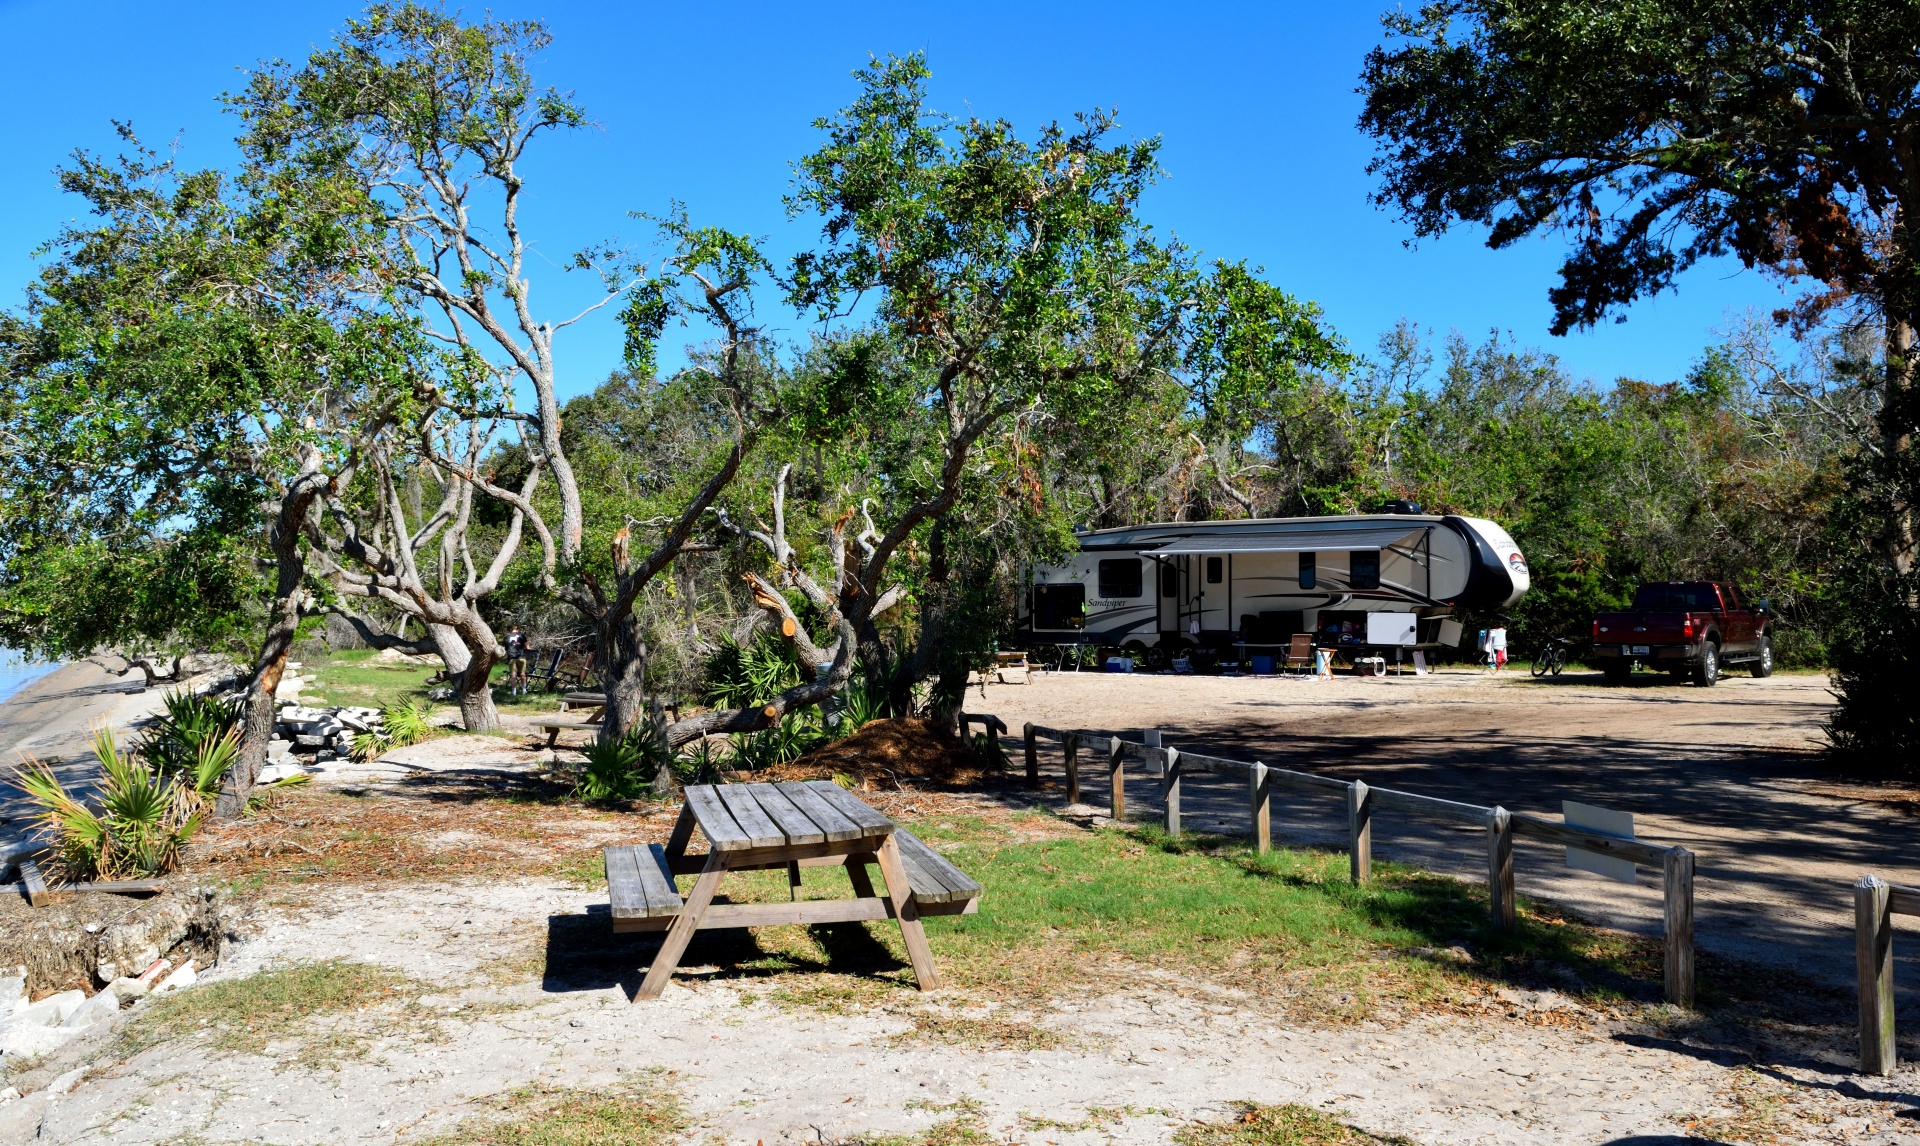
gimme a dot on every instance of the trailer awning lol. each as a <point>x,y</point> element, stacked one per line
<point>1318,541</point>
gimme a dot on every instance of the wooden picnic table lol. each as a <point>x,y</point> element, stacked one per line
<point>789,825</point>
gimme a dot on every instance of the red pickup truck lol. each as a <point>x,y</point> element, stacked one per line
<point>1692,627</point>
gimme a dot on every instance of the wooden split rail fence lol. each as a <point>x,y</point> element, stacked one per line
<point>1169,765</point>
<point>1875,903</point>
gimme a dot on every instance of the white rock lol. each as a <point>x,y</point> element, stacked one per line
<point>97,1009</point>
<point>13,993</point>
<point>183,976</point>
<point>20,1121</point>
<point>127,989</point>
<point>274,773</point>
<point>29,1039</point>
<point>8,1095</point>
<point>52,1010</point>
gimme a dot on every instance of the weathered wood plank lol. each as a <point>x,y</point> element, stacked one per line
<point>1873,956</point>
<point>1649,855</point>
<point>1260,795</point>
<point>1116,785</point>
<point>118,886</point>
<point>1033,754</point>
<point>628,898</point>
<point>943,881</point>
<point>1678,872</point>
<point>835,826</point>
<point>758,859</point>
<point>656,879</point>
<point>34,883</point>
<point>1170,789</point>
<point>682,834</point>
<point>852,807</point>
<point>1217,765</point>
<point>907,913</point>
<point>761,831</point>
<point>1287,778</point>
<point>1903,900</point>
<point>684,925</point>
<point>1428,805</point>
<point>1071,749</point>
<point>715,821</point>
<point>1360,832</point>
<point>721,914</point>
<point>792,822</point>
<point>1500,899</point>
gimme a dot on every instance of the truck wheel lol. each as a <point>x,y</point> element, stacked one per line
<point>1618,674</point>
<point>1762,665</point>
<point>1707,672</point>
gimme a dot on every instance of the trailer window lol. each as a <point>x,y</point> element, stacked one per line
<point>1363,569</point>
<point>1120,578</point>
<point>1169,581</point>
<point>1059,606</point>
<point>1214,566</point>
<point>1309,566</point>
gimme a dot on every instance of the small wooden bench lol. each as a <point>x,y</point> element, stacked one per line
<point>554,726</point>
<point>640,882</point>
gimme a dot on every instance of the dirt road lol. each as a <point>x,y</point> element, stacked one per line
<point>1732,772</point>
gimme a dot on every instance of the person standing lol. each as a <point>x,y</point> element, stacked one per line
<point>1497,641</point>
<point>516,661</point>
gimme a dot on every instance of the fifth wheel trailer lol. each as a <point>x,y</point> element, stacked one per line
<point>1211,584</point>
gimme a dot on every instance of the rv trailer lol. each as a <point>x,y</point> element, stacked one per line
<point>1211,585</point>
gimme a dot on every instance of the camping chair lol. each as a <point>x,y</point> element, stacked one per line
<point>1300,653</point>
<point>538,678</point>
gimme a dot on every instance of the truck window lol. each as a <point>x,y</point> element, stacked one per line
<point>1214,566</point>
<point>1059,606</point>
<point>1681,597</point>
<point>1308,568</point>
<point>1120,577</point>
<point>1363,567</point>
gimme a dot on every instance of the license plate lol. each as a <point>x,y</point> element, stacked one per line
<point>1638,651</point>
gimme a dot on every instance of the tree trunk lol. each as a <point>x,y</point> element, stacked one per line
<point>283,623</point>
<point>474,691</point>
<point>1898,415</point>
<point>623,677</point>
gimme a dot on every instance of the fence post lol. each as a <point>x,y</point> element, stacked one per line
<point>1071,743</point>
<point>1500,868</point>
<point>1172,790</point>
<point>1360,828</point>
<point>1679,892</point>
<point>1033,757</point>
<point>1873,949</point>
<point>1258,793</point>
<point>1116,781</point>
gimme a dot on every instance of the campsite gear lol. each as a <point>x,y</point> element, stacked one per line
<point>752,827</point>
<point>1300,652</point>
<point>1262,665</point>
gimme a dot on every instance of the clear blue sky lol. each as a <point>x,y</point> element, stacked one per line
<point>709,103</point>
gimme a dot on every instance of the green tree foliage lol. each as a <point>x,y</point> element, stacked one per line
<point>1656,135</point>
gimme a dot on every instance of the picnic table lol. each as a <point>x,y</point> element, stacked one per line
<point>756,827</point>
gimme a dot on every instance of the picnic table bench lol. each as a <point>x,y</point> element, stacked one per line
<point>752,827</point>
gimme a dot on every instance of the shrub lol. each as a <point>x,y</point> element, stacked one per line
<point>187,741</point>
<point>402,723</point>
<point>144,817</point>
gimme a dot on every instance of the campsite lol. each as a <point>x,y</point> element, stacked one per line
<point>654,576</point>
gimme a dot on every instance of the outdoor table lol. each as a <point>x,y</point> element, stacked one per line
<point>752,827</point>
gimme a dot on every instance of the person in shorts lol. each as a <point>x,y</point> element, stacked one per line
<point>1497,641</point>
<point>516,661</point>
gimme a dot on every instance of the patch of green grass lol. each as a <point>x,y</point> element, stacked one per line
<point>1284,922</point>
<point>1096,1118</point>
<point>353,676</point>
<point>329,1011</point>
<point>967,1127</point>
<point>1286,925</point>
<point>637,1114</point>
<point>982,1033</point>
<point>1286,1125</point>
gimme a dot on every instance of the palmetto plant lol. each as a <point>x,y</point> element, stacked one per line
<point>143,818</point>
<point>185,740</point>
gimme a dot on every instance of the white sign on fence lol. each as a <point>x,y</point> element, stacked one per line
<point>1601,822</point>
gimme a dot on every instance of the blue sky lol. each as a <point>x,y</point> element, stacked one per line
<point>710,103</point>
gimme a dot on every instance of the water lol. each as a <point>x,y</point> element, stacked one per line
<point>16,672</point>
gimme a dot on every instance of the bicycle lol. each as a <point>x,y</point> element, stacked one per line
<point>1552,657</point>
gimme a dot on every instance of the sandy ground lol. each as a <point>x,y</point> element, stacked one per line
<point>52,719</point>
<point>1731,772</point>
<point>753,1073</point>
